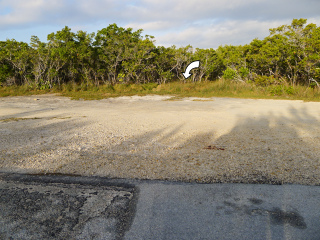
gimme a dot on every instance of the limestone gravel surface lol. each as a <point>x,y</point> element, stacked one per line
<point>221,140</point>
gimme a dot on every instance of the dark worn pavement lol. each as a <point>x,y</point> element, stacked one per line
<point>75,207</point>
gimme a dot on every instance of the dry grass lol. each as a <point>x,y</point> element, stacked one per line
<point>218,88</point>
<point>13,119</point>
<point>202,100</point>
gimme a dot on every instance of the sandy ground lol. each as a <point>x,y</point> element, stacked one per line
<point>221,140</point>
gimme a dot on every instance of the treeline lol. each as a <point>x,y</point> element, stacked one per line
<point>114,55</point>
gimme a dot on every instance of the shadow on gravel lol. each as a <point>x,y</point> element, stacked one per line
<point>22,135</point>
<point>272,149</point>
<point>269,149</point>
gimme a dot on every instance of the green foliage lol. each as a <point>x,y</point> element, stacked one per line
<point>232,56</point>
<point>218,88</point>
<point>42,85</point>
<point>121,77</point>
<point>16,55</point>
<point>265,80</point>
<point>229,73</point>
<point>244,72</point>
<point>290,90</point>
<point>280,90</point>
<point>317,73</point>
<point>149,86</point>
<point>5,73</point>
<point>276,90</point>
<point>210,66</point>
<point>120,55</point>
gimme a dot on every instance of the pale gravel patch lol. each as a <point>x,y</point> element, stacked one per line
<point>267,141</point>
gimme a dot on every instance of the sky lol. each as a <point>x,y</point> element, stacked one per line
<point>200,23</point>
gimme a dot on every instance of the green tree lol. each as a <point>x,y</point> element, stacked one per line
<point>6,70</point>
<point>86,58</point>
<point>113,45</point>
<point>62,51</point>
<point>182,58</point>
<point>40,61</point>
<point>210,64</point>
<point>138,63</point>
<point>16,55</point>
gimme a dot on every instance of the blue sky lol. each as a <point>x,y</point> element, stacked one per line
<point>201,23</point>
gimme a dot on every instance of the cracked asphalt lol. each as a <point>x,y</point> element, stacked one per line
<point>77,207</point>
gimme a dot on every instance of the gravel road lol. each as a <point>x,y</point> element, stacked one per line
<point>192,139</point>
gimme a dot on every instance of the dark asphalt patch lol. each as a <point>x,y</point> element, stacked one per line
<point>64,207</point>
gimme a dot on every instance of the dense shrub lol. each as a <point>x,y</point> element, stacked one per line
<point>244,72</point>
<point>281,90</point>
<point>229,74</point>
<point>265,80</point>
<point>118,55</point>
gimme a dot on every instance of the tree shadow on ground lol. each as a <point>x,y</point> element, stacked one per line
<point>271,148</point>
<point>24,136</point>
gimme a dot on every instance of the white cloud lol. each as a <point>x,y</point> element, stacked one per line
<point>151,26</point>
<point>27,12</point>
<point>230,32</point>
<point>206,23</point>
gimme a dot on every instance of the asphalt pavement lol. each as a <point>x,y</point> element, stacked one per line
<point>78,207</point>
